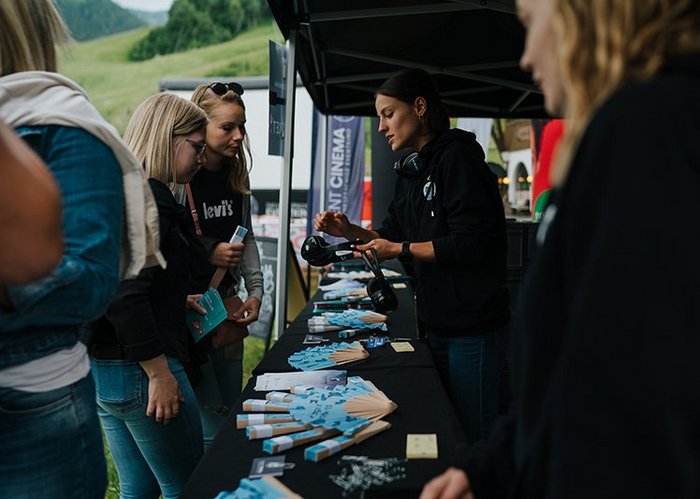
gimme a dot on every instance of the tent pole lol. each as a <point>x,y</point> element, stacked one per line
<point>286,187</point>
<point>324,164</point>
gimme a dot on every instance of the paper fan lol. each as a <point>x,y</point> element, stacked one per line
<point>332,446</point>
<point>321,413</point>
<point>352,318</point>
<point>360,274</point>
<point>322,356</point>
<point>268,487</point>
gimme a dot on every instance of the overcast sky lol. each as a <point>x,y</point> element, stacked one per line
<point>154,5</point>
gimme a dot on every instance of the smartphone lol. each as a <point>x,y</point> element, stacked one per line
<point>238,235</point>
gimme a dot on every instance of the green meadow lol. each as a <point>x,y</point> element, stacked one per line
<point>116,85</point>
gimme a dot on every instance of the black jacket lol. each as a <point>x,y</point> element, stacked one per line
<point>606,358</point>
<point>146,318</point>
<point>464,292</point>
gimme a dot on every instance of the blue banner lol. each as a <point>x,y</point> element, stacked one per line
<point>345,166</point>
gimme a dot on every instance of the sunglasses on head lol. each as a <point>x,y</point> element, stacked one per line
<point>221,88</point>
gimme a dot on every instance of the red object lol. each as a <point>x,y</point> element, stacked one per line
<point>367,201</point>
<point>551,133</point>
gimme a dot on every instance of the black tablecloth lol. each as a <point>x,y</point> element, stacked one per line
<point>401,324</point>
<point>422,408</point>
<point>409,379</point>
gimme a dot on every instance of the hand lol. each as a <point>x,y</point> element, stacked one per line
<point>386,250</point>
<point>164,394</point>
<point>227,254</point>
<point>192,303</point>
<point>248,312</point>
<point>333,223</point>
<point>452,484</point>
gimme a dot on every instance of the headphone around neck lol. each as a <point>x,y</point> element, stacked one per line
<point>409,166</point>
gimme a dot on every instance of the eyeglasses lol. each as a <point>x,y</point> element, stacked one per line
<point>221,88</point>
<point>199,147</point>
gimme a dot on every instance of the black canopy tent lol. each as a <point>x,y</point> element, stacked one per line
<point>346,48</point>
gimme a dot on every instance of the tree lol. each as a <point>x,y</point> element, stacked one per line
<point>198,23</point>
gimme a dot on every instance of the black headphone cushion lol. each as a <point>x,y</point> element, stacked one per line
<point>409,166</point>
<point>382,295</point>
<point>318,253</point>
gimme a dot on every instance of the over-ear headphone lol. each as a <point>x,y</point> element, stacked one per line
<point>378,288</point>
<point>319,253</point>
<point>409,166</point>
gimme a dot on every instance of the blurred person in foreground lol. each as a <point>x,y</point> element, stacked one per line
<point>31,241</point>
<point>605,361</point>
<point>50,441</point>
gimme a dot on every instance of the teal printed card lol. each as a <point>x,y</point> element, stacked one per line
<point>201,325</point>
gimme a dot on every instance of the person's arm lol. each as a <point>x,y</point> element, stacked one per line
<point>423,251</point>
<point>252,274</point>
<point>486,470</point>
<point>31,239</point>
<point>336,223</point>
<point>140,335</point>
<point>164,394</point>
<point>452,484</point>
<point>80,287</point>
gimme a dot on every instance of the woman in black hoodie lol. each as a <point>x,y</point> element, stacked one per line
<point>446,218</point>
<point>145,402</point>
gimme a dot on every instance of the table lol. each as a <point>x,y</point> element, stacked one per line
<point>409,379</point>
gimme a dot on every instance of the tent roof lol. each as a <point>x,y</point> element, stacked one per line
<point>347,48</point>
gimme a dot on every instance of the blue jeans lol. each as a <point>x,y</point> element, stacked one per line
<point>219,388</point>
<point>470,367</point>
<point>50,443</point>
<point>150,457</point>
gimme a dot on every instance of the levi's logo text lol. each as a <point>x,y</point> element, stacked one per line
<point>223,209</point>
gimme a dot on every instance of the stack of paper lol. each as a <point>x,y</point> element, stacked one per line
<point>286,381</point>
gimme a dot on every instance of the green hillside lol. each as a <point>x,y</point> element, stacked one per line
<point>88,19</point>
<point>116,85</point>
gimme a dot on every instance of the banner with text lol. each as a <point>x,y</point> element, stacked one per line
<point>345,166</point>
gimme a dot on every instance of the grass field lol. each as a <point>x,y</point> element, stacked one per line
<point>116,85</point>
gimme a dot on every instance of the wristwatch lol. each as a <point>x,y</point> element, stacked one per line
<point>405,255</point>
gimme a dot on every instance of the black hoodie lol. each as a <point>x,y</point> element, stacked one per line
<point>464,291</point>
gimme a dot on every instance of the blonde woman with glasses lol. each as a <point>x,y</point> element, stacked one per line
<point>221,199</point>
<point>145,401</point>
<point>605,368</point>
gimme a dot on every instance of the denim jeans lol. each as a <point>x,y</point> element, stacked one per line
<point>470,367</point>
<point>219,388</point>
<point>150,457</point>
<point>50,443</point>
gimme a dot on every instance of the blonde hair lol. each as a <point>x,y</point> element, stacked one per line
<point>31,29</point>
<point>238,166</point>
<point>157,129</point>
<point>606,43</point>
